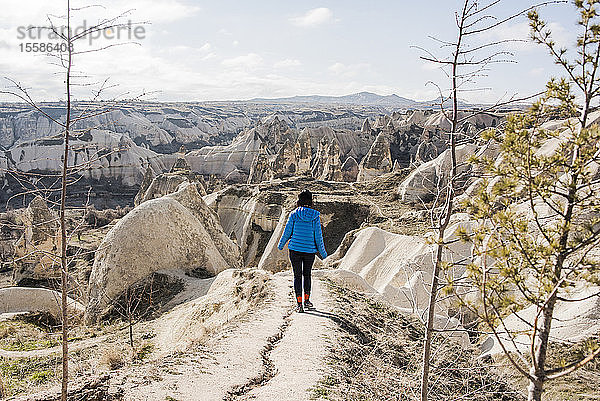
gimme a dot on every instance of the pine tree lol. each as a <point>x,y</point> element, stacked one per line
<point>538,208</point>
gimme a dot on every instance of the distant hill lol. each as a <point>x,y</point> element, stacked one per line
<point>361,98</point>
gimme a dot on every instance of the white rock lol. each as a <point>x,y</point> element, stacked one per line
<point>25,299</point>
<point>177,231</point>
<point>572,321</point>
<point>102,154</point>
<point>425,180</point>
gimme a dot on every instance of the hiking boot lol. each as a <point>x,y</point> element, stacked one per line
<point>300,309</point>
<point>308,304</point>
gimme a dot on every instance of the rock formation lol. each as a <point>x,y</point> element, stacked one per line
<point>399,268</point>
<point>332,167</point>
<point>236,177</point>
<point>26,299</point>
<point>167,183</point>
<point>181,165</point>
<point>149,176</point>
<point>286,161</point>
<point>382,120</point>
<point>423,182</point>
<point>351,143</point>
<point>378,161</point>
<point>163,128</point>
<point>222,159</point>
<point>37,250</point>
<point>102,155</point>
<point>271,134</point>
<point>350,170</point>
<point>224,140</point>
<point>575,319</point>
<point>276,130</point>
<point>420,136</point>
<point>304,152</point>
<point>177,231</point>
<point>320,158</point>
<point>3,169</point>
<point>249,216</point>
<point>366,127</point>
<point>261,168</point>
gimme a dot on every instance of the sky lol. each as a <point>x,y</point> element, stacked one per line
<point>192,50</point>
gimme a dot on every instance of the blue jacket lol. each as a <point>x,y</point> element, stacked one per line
<point>303,229</point>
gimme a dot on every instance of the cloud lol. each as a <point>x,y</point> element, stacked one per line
<point>191,51</point>
<point>152,11</point>
<point>537,71</point>
<point>350,70</point>
<point>155,11</point>
<point>519,36</point>
<point>314,17</point>
<point>286,63</point>
<point>250,60</point>
<point>430,66</point>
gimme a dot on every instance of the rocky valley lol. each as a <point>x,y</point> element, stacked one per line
<point>174,218</point>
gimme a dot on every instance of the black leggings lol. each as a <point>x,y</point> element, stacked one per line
<point>301,264</point>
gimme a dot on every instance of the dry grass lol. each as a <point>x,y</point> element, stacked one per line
<point>3,392</point>
<point>581,385</point>
<point>113,357</point>
<point>379,353</point>
<point>18,335</point>
<point>27,374</point>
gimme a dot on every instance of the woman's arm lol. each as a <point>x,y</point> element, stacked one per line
<point>319,238</point>
<point>287,233</point>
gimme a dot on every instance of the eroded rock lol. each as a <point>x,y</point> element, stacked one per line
<point>350,170</point>
<point>177,231</point>
<point>167,183</point>
<point>378,161</point>
<point>25,299</point>
<point>332,169</point>
<point>286,161</point>
<point>38,250</point>
<point>424,182</point>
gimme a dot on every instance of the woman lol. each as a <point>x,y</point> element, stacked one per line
<point>303,230</point>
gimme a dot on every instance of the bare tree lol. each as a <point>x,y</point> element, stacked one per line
<point>61,27</point>
<point>466,63</point>
<point>136,303</point>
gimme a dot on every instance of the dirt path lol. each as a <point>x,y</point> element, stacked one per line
<point>275,354</point>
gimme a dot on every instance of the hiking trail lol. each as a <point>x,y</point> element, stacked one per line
<point>273,353</point>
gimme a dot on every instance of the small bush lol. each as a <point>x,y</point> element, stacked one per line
<point>112,358</point>
<point>144,350</point>
<point>41,376</point>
